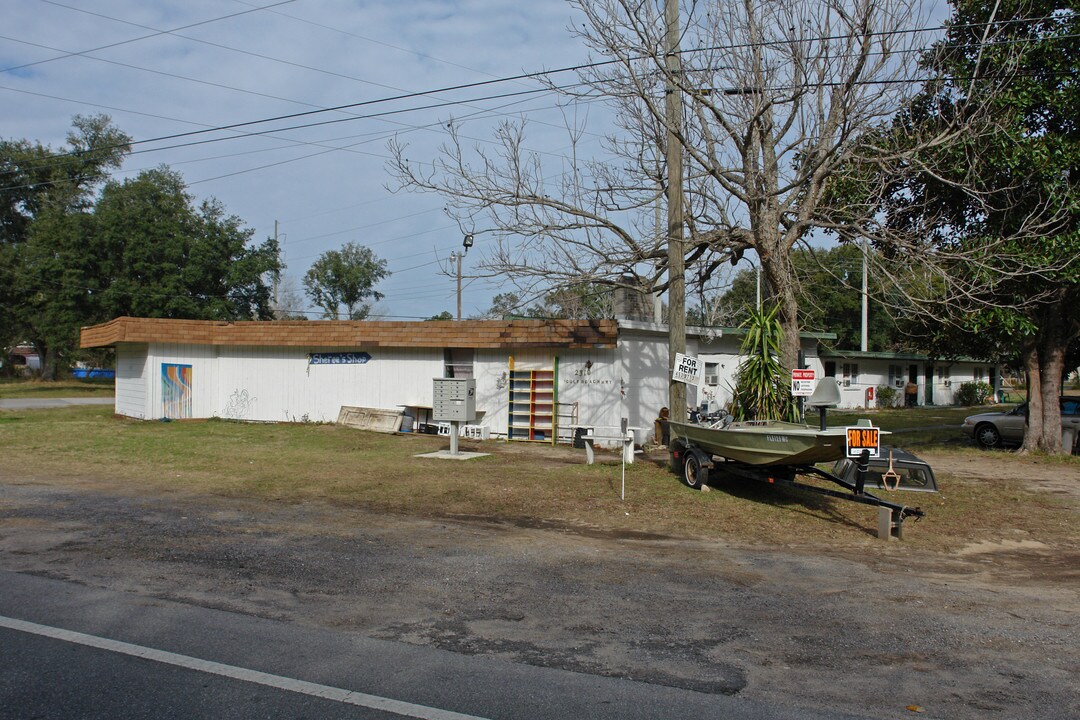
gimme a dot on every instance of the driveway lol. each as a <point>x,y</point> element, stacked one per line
<point>42,403</point>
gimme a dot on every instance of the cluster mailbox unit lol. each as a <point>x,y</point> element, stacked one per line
<point>453,400</point>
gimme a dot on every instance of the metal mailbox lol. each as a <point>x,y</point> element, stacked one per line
<point>454,399</point>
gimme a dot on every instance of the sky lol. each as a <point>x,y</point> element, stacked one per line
<point>162,68</point>
<point>159,68</point>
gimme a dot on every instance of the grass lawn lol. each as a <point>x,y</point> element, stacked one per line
<point>531,484</point>
<point>19,388</point>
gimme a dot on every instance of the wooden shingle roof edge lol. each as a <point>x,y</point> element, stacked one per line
<point>495,334</point>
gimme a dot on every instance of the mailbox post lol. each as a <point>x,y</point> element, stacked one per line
<point>453,400</point>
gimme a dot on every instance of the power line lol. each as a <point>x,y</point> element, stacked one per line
<point>132,40</point>
<point>261,56</point>
<point>533,75</point>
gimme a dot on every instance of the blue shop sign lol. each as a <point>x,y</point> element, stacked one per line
<point>338,358</point>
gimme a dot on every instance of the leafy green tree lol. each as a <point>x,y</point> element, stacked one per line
<point>1001,212</point>
<point>444,315</point>
<point>47,263</point>
<point>503,305</point>
<point>143,249</point>
<point>175,259</point>
<point>346,278</point>
<point>584,301</point>
<point>829,296</point>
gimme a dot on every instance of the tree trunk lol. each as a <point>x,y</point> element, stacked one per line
<point>1051,344</point>
<point>1033,422</point>
<point>49,360</point>
<point>780,275</point>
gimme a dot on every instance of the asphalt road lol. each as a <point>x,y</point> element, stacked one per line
<point>69,651</point>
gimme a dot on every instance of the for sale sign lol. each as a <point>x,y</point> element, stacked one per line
<point>863,437</point>
<point>803,381</point>
<point>688,370</point>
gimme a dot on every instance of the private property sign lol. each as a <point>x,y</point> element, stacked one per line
<point>802,382</point>
<point>688,370</point>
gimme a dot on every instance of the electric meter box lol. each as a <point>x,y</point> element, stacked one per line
<point>454,399</point>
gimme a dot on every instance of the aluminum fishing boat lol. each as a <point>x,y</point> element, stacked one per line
<point>765,442</point>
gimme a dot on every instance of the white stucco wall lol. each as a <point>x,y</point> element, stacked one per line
<point>132,381</point>
<point>274,384</point>
<point>279,384</point>
<point>593,380</point>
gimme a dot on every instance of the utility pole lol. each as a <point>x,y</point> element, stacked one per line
<point>459,286</point>
<point>276,274</point>
<point>466,243</point>
<point>865,303</point>
<point>673,152</point>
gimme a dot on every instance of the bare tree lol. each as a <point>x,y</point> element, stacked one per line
<point>777,98</point>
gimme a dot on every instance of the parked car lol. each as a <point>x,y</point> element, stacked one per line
<point>911,472</point>
<point>998,429</point>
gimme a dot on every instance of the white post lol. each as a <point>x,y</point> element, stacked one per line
<point>624,423</point>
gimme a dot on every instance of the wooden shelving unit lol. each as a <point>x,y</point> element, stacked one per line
<point>532,408</point>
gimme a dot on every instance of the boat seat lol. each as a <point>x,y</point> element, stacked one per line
<point>826,394</point>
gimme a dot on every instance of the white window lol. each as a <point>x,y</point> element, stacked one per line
<point>712,373</point>
<point>977,374</point>
<point>458,363</point>
<point>943,377</point>
<point>896,375</point>
<point>851,374</point>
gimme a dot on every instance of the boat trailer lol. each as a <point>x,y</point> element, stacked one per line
<point>694,463</point>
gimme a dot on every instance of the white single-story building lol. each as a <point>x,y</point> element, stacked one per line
<point>860,374</point>
<point>535,379</point>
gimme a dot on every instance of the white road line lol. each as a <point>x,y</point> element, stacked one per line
<point>237,673</point>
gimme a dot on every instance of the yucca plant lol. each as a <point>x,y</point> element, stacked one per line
<point>762,389</point>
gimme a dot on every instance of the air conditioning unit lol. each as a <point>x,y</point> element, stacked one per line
<point>898,383</point>
<point>847,383</point>
<point>712,379</point>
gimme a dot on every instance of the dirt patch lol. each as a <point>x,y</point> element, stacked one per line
<point>1037,474</point>
<point>986,632</point>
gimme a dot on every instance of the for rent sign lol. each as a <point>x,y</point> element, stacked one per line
<point>688,370</point>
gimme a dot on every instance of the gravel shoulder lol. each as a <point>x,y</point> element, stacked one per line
<point>990,631</point>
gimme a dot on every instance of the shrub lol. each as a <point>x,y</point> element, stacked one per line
<point>762,391</point>
<point>973,393</point>
<point>887,396</point>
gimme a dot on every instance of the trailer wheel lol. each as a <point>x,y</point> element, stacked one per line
<point>694,472</point>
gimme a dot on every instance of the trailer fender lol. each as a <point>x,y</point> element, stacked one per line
<point>695,467</point>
